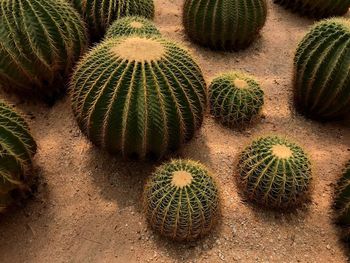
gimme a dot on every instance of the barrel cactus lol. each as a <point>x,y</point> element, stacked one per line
<point>100,14</point>
<point>140,96</point>
<point>235,98</point>
<point>342,198</point>
<point>322,71</point>
<point>132,25</point>
<point>275,172</point>
<point>40,40</point>
<point>181,200</point>
<point>17,148</point>
<point>317,8</point>
<point>226,24</point>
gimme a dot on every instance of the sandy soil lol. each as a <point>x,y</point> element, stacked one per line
<point>87,208</point>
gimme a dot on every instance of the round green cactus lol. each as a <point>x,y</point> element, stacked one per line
<point>40,40</point>
<point>17,148</point>
<point>181,200</point>
<point>317,8</point>
<point>139,95</point>
<point>226,24</point>
<point>321,71</point>
<point>100,14</point>
<point>235,98</point>
<point>342,198</point>
<point>275,172</point>
<point>132,25</point>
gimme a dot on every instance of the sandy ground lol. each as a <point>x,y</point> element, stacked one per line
<point>87,208</point>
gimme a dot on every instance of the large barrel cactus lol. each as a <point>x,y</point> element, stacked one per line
<point>17,148</point>
<point>40,40</point>
<point>235,99</point>
<point>275,172</point>
<point>317,8</point>
<point>225,24</point>
<point>138,95</point>
<point>322,71</point>
<point>99,14</point>
<point>342,198</point>
<point>132,25</point>
<point>181,200</point>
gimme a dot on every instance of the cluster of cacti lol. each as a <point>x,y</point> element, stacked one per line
<point>181,200</point>
<point>321,71</point>
<point>138,95</point>
<point>17,148</point>
<point>342,198</point>
<point>226,24</point>
<point>275,172</point>
<point>317,8</point>
<point>235,98</point>
<point>100,14</point>
<point>132,25</point>
<point>40,40</point>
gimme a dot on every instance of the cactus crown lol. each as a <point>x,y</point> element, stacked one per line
<point>181,200</point>
<point>275,172</point>
<point>132,25</point>
<point>17,148</point>
<point>235,99</point>
<point>40,40</point>
<point>321,82</point>
<point>141,96</point>
<point>342,198</point>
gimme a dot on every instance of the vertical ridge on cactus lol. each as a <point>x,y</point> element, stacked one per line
<point>321,71</point>
<point>181,200</point>
<point>140,96</point>
<point>225,24</point>
<point>342,198</point>
<point>235,98</point>
<point>275,172</point>
<point>132,25</point>
<point>17,147</point>
<point>100,14</point>
<point>317,8</point>
<point>40,40</point>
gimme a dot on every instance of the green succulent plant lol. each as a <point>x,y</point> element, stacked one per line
<point>181,200</point>
<point>226,24</point>
<point>275,172</point>
<point>140,96</point>
<point>235,98</point>
<point>40,40</point>
<point>100,14</point>
<point>317,8</point>
<point>17,147</point>
<point>342,198</point>
<point>321,71</point>
<point>132,25</point>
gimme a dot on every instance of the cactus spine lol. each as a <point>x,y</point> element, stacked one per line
<point>100,14</point>
<point>235,98</point>
<point>226,24</point>
<point>132,25</point>
<point>40,40</point>
<point>181,200</point>
<point>275,172</point>
<point>317,8</point>
<point>342,198</point>
<point>17,148</point>
<point>321,71</point>
<point>138,95</point>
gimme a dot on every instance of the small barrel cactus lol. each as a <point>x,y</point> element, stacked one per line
<point>181,200</point>
<point>317,8</point>
<point>342,198</point>
<point>235,98</point>
<point>275,172</point>
<point>40,40</point>
<point>100,14</point>
<point>138,95</point>
<point>17,148</point>
<point>322,71</point>
<point>132,25</point>
<point>226,24</point>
